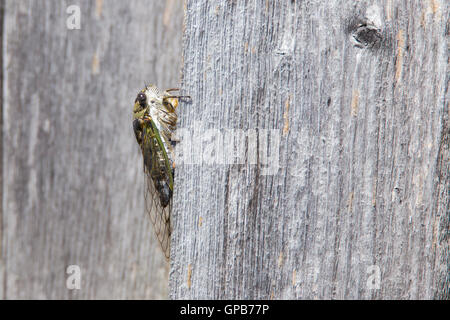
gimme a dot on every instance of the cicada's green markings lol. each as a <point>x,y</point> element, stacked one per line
<point>154,121</point>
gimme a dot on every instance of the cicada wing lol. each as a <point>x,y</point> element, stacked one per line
<point>159,215</point>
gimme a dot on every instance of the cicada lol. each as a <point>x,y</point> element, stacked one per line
<point>154,122</point>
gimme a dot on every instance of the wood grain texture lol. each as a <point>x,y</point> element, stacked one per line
<point>2,7</point>
<point>72,171</point>
<point>362,177</point>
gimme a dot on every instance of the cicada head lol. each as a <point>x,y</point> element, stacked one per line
<point>149,97</point>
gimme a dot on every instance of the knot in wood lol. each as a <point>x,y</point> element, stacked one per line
<point>366,36</point>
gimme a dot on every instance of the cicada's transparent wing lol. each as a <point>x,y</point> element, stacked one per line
<point>159,216</point>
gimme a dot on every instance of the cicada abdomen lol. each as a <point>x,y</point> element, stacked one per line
<point>154,121</point>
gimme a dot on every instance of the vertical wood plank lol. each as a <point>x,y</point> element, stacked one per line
<point>2,282</point>
<point>356,95</point>
<point>73,180</point>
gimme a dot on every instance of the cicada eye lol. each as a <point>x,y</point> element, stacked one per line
<point>142,99</point>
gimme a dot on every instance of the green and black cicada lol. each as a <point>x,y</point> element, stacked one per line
<point>154,121</point>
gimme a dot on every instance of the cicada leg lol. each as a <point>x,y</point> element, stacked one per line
<point>137,128</point>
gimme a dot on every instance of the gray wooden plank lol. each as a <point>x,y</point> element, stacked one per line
<point>72,171</point>
<point>361,128</point>
<point>2,283</point>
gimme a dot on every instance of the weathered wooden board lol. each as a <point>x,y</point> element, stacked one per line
<point>361,171</point>
<point>72,171</point>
